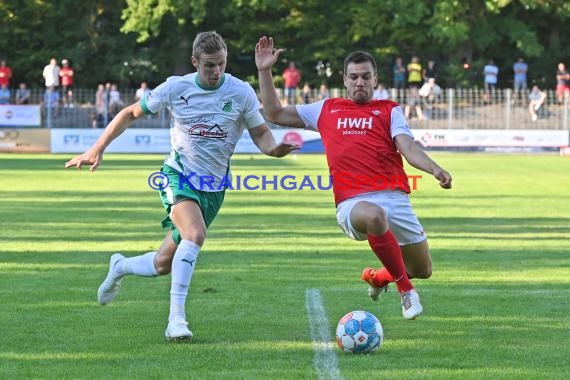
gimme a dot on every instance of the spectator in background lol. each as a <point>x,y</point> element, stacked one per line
<point>107,93</point>
<point>23,94</point>
<point>519,83</point>
<point>399,74</point>
<point>415,73</point>
<point>562,82</point>
<point>5,74</point>
<point>51,74</point>
<point>430,72</point>
<point>291,77</point>
<point>324,92</point>
<point>413,102</point>
<point>115,101</point>
<point>100,107</point>
<point>66,76</point>
<point>380,93</point>
<point>491,72</point>
<point>51,101</point>
<point>4,94</point>
<point>536,99</point>
<point>429,92</point>
<point>306,93</point>
<point>141,91</point>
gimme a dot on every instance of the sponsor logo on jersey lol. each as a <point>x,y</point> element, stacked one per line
<point>185,99</point>
<point>198,120</point>
<point>354,123</point>
<point>207,131</point>
<point>354,126</point>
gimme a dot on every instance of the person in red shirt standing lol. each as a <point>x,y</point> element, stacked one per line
<point>5,74</point>
<point>364,141</point>
<point>291,77</point>
<point>66,75</point>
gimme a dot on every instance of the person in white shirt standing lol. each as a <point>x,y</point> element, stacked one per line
<point>51,74</point>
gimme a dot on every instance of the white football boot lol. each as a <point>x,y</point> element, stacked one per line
<point>109,288</point>
<point>411,306</point>
<point>375,292</point>
<point>177,330</point>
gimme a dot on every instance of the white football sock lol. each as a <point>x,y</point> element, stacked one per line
<point>142,265</point>
<point>183,266</point>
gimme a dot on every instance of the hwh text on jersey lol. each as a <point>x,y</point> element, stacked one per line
<point>358,123</point>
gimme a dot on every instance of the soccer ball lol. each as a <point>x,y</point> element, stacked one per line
<point>359,332</point>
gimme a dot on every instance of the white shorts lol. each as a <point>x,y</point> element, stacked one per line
<point>396,204</point>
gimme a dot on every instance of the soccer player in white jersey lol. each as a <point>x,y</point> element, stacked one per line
<point>364,141</point>
<point>210,110</point>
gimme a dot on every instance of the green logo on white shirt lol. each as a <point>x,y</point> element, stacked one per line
<point>227,106</point>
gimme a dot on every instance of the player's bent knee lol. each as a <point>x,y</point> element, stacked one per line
<point>161,270</point>
<point>377,220</point>
<point>163,265</point>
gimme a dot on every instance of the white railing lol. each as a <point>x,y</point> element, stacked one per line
<point>466,108</point>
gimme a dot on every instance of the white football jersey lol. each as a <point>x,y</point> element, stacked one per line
<point>205,124</point>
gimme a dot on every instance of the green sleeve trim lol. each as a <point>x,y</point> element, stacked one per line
<point>145,107</point>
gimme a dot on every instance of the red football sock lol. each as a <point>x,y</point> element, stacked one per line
<point>388,251</point>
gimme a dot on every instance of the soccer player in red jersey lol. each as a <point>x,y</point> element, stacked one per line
<point>364,141</point>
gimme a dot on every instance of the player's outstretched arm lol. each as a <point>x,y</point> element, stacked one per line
<point>420,160</point>
<point>265,57</point>
<point>264,140</point>
<point>94,155</point>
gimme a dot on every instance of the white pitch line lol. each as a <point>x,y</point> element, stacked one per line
<point>325,360</point>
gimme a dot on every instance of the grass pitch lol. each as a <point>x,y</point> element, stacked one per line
<point>497,305</point>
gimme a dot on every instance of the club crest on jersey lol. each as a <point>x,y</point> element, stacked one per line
<point>227,105</point>
<point>207,131</point>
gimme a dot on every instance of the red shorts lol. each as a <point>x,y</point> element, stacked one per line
<point>562,88</point>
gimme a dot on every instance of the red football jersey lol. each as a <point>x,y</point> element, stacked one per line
<point>359,144</point>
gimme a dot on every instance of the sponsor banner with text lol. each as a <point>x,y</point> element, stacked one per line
<point>158,140</point>
<point>308,141</point>
<point>442,138</point>
<point>133,140</point>
<point>20,116</point>
<point>23,140</point>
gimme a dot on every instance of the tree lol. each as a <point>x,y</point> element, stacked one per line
<point>128,41</point>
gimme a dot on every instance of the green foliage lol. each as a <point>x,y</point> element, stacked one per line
<point>128,41</point>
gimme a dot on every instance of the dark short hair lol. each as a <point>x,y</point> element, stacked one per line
<point>359,57</point>
<point>208,42</point>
